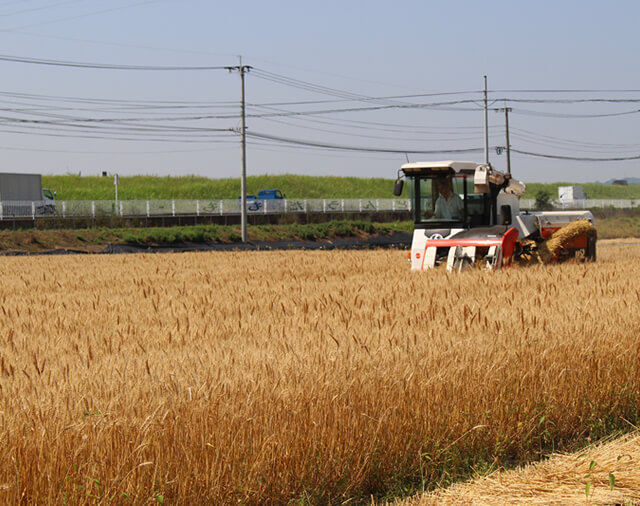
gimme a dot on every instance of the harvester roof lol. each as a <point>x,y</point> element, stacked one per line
<point>458,167</point>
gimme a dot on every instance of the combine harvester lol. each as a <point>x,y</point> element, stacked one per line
<point>468,214</point>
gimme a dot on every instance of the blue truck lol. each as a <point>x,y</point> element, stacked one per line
<point>272,199</point>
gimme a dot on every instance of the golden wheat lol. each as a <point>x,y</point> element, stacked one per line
<point>266,377</point>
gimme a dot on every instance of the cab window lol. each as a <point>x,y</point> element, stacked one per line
<point>440,199</point>
<point>444,200</point>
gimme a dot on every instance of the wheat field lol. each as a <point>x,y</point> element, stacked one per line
<point>309,377</point>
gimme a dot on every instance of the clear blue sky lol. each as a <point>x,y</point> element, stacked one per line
<point>384,79</point>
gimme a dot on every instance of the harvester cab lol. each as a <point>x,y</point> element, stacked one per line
<point>468,214</point>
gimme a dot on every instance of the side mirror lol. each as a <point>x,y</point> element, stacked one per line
<point>398,186</point>
<point>505,215</point>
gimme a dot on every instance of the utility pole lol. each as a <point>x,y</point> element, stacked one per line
<point>115,183</point>
<point>507,110</point>
<point>242,69</point>
<point>486,124</point>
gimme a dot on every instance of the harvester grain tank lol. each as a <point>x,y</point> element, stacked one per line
<point>468,214</point>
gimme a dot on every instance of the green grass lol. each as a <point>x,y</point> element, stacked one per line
<point>74,187</point>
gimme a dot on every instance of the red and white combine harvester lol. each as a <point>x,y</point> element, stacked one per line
<point>468,214</point>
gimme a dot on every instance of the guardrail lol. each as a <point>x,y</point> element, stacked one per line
<point>219,207</point>
<point>25,209</point>
<point>230,207</point>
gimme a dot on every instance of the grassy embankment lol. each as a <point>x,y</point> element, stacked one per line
<point>73,187</point>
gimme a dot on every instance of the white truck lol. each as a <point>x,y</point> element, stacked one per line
<point>22,196</point>
<point>569,194</point>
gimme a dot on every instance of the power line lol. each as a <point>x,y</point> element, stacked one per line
<point>42,115</point>
<point>362,135</point>
<point>45,7</point>
<point>373,125</point>
<point>547,140</point>
<point>437,105</point>
<point>386,126</point>
<point>123,135</point>
<point>577,158</point>
<point>278,148</point>
<point>570,100</point>
<point>287,81</point>
<point>78,16</point>
<point>354,148</point>
<point>543,114</point>
<point>388,97</point>
<point>119,102</point>
<point>81,152</point>
<point>585,90</point>
<point>344,95</point>
<point>103,66</point>
<point>61,120</point>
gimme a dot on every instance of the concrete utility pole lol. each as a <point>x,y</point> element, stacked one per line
<point>115,183</point>
<point>486,124</point>
<point>242,69</point>
<point>507,110</point>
